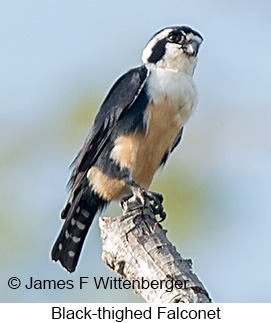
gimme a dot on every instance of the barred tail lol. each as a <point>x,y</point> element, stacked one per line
<point>78,215</point>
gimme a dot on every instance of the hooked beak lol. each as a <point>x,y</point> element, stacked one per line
<point>191,49</point>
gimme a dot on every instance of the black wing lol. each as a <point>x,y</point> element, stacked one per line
<point>121,96</point>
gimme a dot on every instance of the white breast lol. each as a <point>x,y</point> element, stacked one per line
<point>175,86</point>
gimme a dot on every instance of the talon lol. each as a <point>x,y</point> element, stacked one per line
<point>158,209</point>
<point>156,200</point>
<point>163,216</point>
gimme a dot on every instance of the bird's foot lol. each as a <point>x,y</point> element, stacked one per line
<point>156,205</point>
<point>138,200</point>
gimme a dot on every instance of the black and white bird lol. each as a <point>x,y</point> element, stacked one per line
<point>138,125</point>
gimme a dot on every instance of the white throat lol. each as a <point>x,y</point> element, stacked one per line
<point>182,63</point>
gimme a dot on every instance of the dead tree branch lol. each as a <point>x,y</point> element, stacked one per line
<point>136,247</point>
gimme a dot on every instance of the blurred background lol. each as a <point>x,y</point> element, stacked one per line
<point>58,60</point>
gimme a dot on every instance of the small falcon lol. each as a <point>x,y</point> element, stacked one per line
<point>138,125</point>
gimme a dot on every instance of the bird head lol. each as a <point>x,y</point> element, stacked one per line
<point>173,48</point>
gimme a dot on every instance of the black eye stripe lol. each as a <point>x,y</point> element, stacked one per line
<point>158,51</point>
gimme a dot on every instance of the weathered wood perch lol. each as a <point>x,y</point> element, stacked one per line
<point>136,247</point>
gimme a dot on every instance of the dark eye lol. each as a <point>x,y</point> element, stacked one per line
<point>175,38</point>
